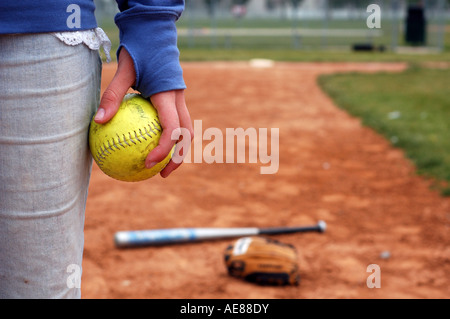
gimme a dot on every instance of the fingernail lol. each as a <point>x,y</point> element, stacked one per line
<point>150,165</point>
<point>100,114</point>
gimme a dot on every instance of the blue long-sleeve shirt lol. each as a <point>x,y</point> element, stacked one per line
<point>147,32</point>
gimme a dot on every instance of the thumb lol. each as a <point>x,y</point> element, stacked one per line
<point>112,97</point>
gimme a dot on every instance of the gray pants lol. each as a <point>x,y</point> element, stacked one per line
<point>48,93</point>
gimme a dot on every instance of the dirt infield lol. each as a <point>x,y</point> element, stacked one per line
<point>330,167</point>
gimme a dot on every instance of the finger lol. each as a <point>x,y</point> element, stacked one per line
<point>185,122</point>
<point>165,105</point>
<point>112,97</point>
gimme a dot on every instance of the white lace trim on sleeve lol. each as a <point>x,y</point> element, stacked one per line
<point>93,39</point>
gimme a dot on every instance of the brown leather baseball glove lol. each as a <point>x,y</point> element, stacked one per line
<point>263,261</point>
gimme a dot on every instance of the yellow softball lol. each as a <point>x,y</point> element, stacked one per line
<point>120,146</point>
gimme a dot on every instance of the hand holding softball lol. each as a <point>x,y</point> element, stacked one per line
<point>170,105</point>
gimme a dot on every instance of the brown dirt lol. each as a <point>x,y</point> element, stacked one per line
<point>331,168</point>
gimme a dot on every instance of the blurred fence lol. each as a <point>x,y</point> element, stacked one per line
<point>307,24</point>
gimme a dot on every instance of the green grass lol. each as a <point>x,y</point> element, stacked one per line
<point>411,109</point>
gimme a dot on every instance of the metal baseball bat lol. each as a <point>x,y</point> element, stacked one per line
<point>155,237</point>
